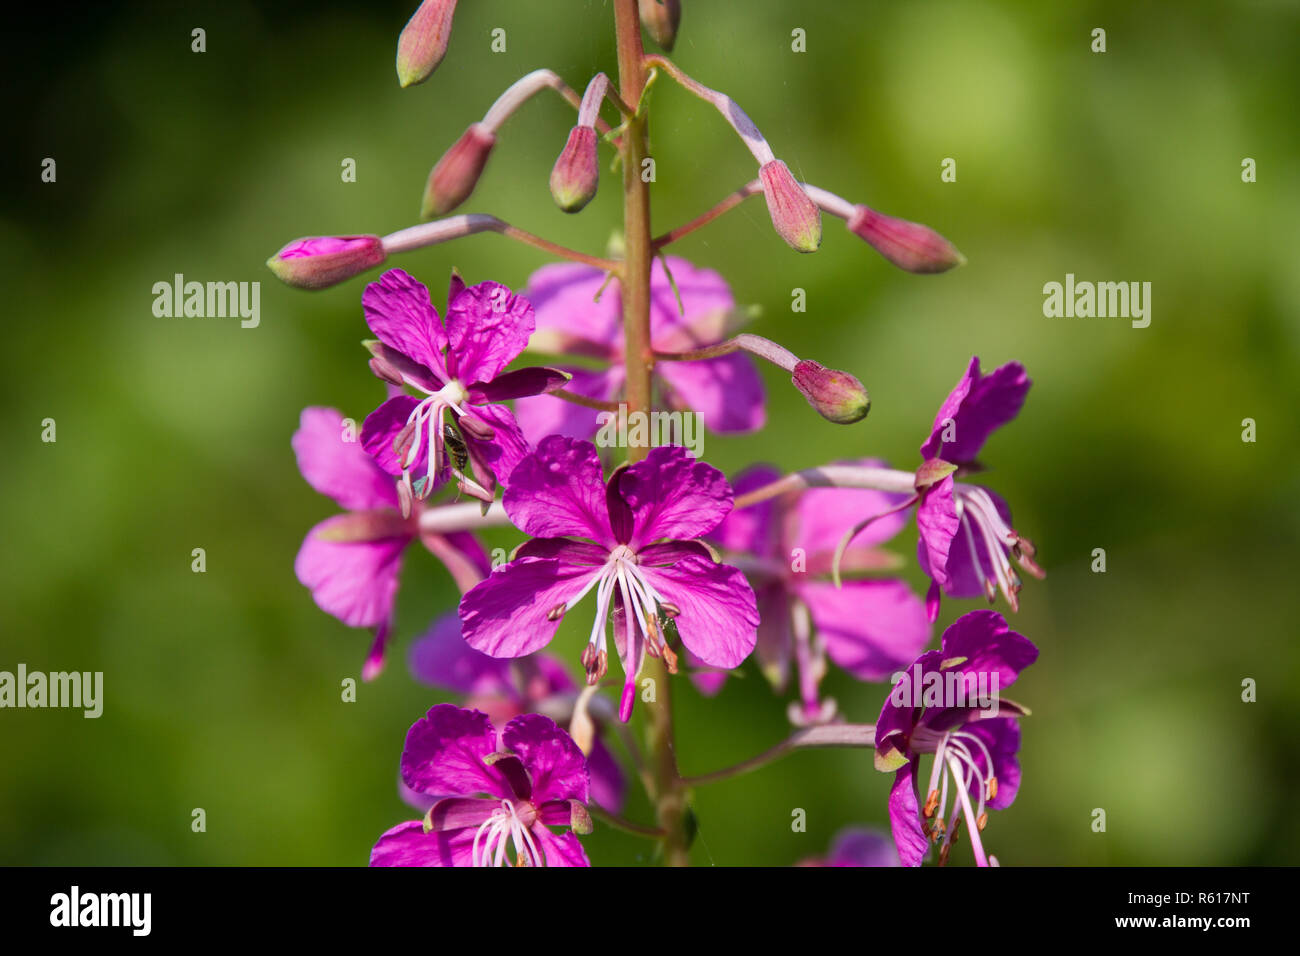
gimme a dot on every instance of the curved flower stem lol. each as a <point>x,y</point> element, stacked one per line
<point>599,404</point>
<point>828,735</point>
<point>745,342</point>
<point>724,104</point>
<point>457,227</point>
<point>833,476</point>
<point>627,826</point>
<point>752,188</point>
<point>669,795</point>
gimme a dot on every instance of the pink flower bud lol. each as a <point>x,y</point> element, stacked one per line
<point>796,217</point>
<point>456,174</point>
<point>423,42</point>
<point>908,245</point>
<point>577,171</point>
<point>837,396</point>
<point>661,19</point>
<point>322,261</point>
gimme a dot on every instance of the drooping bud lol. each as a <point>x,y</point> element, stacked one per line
<point>796,217</point>
<point>321,261</point>
<point>577,172</point>
<point>908,245</point>
<point>423,42</point>
<point>838,396</point>
<point>454,177</point>
<point>661,19</point>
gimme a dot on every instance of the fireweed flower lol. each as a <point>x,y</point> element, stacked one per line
<point>631,540</point>
<point>858,846</point>
<point>351,562</point>
<point>459,371</point>
<point>938,707</point>
<point>506,689</point>
<point>966,534</point>
<point>497,802</point>
<point>870,626</point>
<point>725,391</point>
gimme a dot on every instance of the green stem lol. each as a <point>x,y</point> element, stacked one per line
<point>828,735</point>
<point>669,792</point>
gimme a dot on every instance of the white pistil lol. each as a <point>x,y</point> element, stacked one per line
<point>640,598</point>
<point>502,829</point>
<point>426,418</point>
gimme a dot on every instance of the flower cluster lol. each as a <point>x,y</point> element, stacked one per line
<point>658,559</point>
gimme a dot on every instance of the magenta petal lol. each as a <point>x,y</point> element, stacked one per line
<point>978,405</point>
<point>726,391</point>
<point>559,490</point>
<point>872,629</point>
<point>444,754</point>
<point>563,296</point>
<point>545,415</point>
<point>719,619</point>
<point>339,468</point>
<point>705,298</point>
<point>607,783</point>
<point>673,495</point>
<point>533,380</point>
<point>443,659</point>
<point>825,514</point>
<point>936,518</point>
<point>356,581</point>
<point>751,530</point>
<point>899,712</point>
<point>905,817</point>
<point>967,573</point>
<point>506,614</point>
<point>382,426</point>
<point>561,849</point>
<point>399,312</point>
<point>555,764</point>
<point>505,449</point>
<point>487,326</point>
<point>1001,735</point>
<point>566,550</point>
<point>988,645</point>
<point>408,845</point>
<point>859,846</point>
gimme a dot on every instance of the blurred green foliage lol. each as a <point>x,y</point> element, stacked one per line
<point>222,688</point>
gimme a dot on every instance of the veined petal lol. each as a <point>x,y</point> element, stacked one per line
<point>977,406</point>
<point>505,449</point>
<point>399,312</point>
<point>559,491</point>
<point>871,628</point>
<point>522,382</point>
<point>1001,736</point>
<point>408,845</point>
<point>673,495</point>
<point>905,816</point>
<point>507,614</point>
<point>355,581</point>
<point>718,617</point>
<point>561,849</point>
<point>339,468</point>
<point>444,754</point>
<point>487,326</point>
<point>936,518</point>
<point>382,426</point>
<point>555,764</point>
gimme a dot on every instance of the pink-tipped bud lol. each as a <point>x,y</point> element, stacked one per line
<point>423,42</point>
<point>661,19</point>
<point>456,174</point>
<point>322,261</point>
<point>837,396</point>
<point>577,171</point>
<point>796,217</point>
<point>908,245</point>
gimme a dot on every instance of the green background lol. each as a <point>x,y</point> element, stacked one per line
<point>223,688</point>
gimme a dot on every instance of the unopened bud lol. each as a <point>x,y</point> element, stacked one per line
<point>456,174</point>
<point>661,19</point>
<point>423,42</point>
<point>322,261</point>
<point>908,245</point>
<point>577,172</point>
<point>796,217</point>
<point>838,396</point>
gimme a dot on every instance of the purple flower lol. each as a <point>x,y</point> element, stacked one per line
<point>946,704</point>
<point>506,689</point>
<point>966,532</point>
<point>496,803</point>
<point>725,391</point>
<point>870,626</point>
<point>631,540</point>
<point>858,846</point>
<point>350,562</point>
<point>459,370</point>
